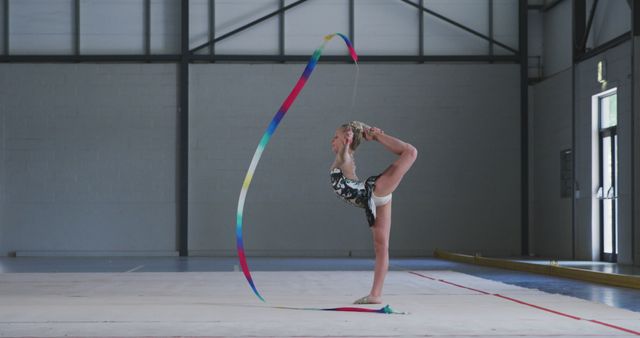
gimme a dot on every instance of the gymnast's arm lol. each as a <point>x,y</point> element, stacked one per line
<point>344,160</point>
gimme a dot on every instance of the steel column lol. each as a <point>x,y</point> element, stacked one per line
<point>524,125</point>
<point>577,29</point>
<point>183,135</point>
<point>635,132</point>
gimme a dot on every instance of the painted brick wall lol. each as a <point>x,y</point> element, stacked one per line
<point>552,234</point>
<point>89,158</point>
<point>463,192</point>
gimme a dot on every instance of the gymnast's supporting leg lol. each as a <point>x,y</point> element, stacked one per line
<point>380,231</point>
<point>385,185</point>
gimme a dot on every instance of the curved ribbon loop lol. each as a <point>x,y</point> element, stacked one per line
<point>265,140</point>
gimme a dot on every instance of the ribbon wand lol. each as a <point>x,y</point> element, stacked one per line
<point>265,140</point>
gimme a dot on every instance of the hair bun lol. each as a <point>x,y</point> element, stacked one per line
<point>357,125</point>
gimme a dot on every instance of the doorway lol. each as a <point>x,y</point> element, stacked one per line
<point>607,192</point>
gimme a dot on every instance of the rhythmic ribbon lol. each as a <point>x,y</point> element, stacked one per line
<point>256,158</point>
<point>386,309</point>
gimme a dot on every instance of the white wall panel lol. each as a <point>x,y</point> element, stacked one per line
<point>612,19</point>
<point>91,152</point>
<point>535,26</point>
<point>307,24</point>
<point>165,26</point>
<point>505,25</point>
<point>535,43</point>
<point>112,27</point>
<point>2,50</point>
<point>442,38</point>
<point>381,26</point>
<point>552,231</point>
<point>557,39</point>
<point>386,27</point>
<point>41,26</point>
<point>260,39</point>
<point>198,24</point>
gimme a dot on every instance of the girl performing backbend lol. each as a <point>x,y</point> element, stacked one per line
<point>372,194</point>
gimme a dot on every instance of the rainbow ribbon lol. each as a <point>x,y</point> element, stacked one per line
<point>385,309</point>
<point>263,143</point>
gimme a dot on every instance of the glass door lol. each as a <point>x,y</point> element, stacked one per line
<point>607,191</point>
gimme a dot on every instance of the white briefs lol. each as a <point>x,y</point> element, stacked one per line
<point>378,201</point>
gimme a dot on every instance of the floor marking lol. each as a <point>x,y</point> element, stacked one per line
<point>447,282</point>
<point>537,307</point>
<point>421,275</point>
<point>615,327</point>
<point>530,305</point>
<point>135,269</point>
<point>464,287</point>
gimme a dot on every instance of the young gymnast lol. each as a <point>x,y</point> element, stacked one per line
<point>372,194</point>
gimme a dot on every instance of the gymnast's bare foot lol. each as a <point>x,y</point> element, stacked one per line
<point>369,300</point>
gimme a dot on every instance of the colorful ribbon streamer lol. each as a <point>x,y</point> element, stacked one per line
<point>386,309</point>
<point>254,164</point>
<point>263,143</point>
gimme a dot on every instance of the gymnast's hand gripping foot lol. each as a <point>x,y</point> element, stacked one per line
<point>372,194</point>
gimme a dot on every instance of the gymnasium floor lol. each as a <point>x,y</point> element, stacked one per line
<point>56,297</point>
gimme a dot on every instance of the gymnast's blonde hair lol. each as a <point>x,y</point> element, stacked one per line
<point>358,128</point>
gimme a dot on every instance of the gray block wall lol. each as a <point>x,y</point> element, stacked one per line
<point>618,61</point>
<point>552,229</point>
<point>88,159</point>
<point>462,194</point>
<point>90,155</point>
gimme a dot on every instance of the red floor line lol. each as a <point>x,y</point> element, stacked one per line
<point>464,287</point>
<point>447,282</point>
<point>538,307</point>
<point>532,305</point>
<point>421,275</point>
<point>615,327</point>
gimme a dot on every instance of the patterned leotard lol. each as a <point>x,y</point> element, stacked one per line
<point>354,192</point>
